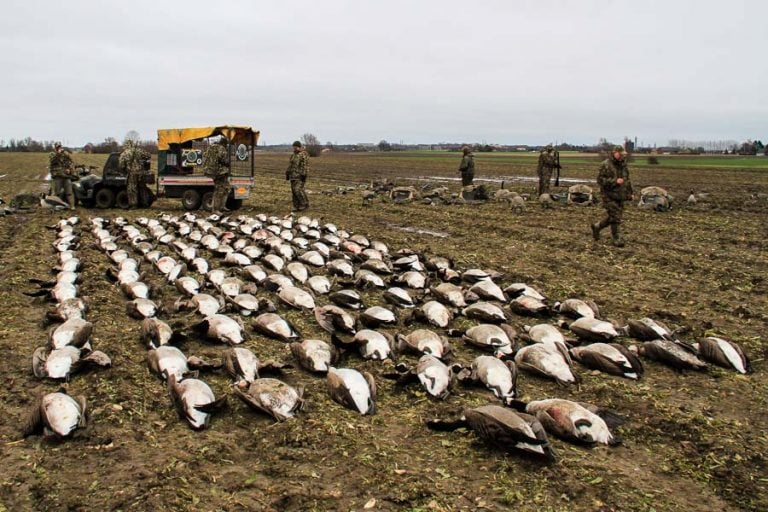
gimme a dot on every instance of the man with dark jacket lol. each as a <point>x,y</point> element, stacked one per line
<point>615,188</point>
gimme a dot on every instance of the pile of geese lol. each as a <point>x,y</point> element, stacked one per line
<point>69,341</point>
<point>382,305</point>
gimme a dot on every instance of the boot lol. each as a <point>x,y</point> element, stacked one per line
<point>597,228</point>
<point>615,236</point>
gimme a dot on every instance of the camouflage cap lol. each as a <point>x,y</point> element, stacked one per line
<point>465,149</point>
<point>548,147</point>
<point>296,144</point>
<point>618,148</point>
<point>56,144</point>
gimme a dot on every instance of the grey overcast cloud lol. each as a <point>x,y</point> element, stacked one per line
<point>503,72</point>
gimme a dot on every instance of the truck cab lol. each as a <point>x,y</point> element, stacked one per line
<point>180,159</point>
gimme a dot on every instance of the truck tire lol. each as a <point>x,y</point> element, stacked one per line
<point>121,199</point>
<point>104,198</point>
<point>191,199</point>
<point>207,201</point>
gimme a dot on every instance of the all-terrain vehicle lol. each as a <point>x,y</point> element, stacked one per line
<point>180,164</point>
<point>109,189</point>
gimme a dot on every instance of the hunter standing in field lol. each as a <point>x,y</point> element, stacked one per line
<point>615,188</point>
<point>467,167</point>
<point>549,160</point>
<point>62,171</point>
<point>132,165</point>
<point>297,171</point>
<point>216,166</point>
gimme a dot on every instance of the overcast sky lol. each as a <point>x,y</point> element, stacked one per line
<point>524,71</point>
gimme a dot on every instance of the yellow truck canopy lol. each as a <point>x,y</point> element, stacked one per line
<point>235,134</point>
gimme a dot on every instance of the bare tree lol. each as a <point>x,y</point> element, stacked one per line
<point>132,136</point>
<point>312,144</point>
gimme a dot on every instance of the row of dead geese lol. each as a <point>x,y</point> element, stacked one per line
<point>69,349</point>
<point>549,353</point>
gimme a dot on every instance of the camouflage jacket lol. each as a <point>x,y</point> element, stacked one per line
<point>298,167</point>
<point>60,165</point>
<point>216,161</point>
<point>610,171</point>
<point>131,161</point>
<point>547,159</point>
<point>467,164</point>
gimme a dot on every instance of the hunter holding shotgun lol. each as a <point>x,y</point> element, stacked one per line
<point>549,160</point>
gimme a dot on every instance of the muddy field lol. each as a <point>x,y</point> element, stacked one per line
<point>693,441</point>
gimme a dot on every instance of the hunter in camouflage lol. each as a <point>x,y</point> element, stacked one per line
<point>615,188</point>
<point>548,162</point>
<point>62,171</point>
<point>216,166</point>
<point>131,164</point>
<point>297,171</point>
<point>467,167</point>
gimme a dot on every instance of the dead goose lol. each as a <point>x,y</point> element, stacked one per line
<point>529,306</point>
<point>62,362</point>
<point>167,360</point>
<point>243,365</point>
<point>374,345</point>
<point>433,313</point>
<point>547,361</point>
<point>75,332</point>
<point>368,279</point>
<point>56,414</point>
<point>201,303</point>
<point>503,428</point>
<point>673,353</point>
<point>349,299</point>
<point>523,290</point>
<point>236,259</point>
<point>297,271</point>
<point>544,333</point>
<point>222,328</point>
<point>273,262</point>
<point>341,268</point>
<point>575,422</point>
<point>136,290</point>
<point>274,282</point>
<point>352,389</point>
<point>313,258</point>
<point>187,285</point>
<point>155,332</point>
<point>141,308</point>
<point>275,326</point>
<point>194,401</point>
<point>315,355</point>
<point>70,308</point>
<point>408,262</point>
<point>723,353</point>
<point>334,319</point>
<point>611,358</point>
<point>296,297</point>
<point>255,273</point>
<point>230,286</point>
<point>647,329</point>
<point>398,297</point>
<point>592,329</point>
<point>498,376</point>
<point>475,275</point>
<point>488,290</point>
<point>435,376</point>
<point>410,279</point>
<point>376,265</point>
<point>200,265</point>
<point>319,285</point>
<point>424,341</point>
<point>577,308</point>
<point>246,304</point>
<point>435,263</point>
<point>376,316</point>
<point>499,339</point>
<point>271,396</point>
<point>449,275</point>
<point>485,312</point>
<point>449,294</point>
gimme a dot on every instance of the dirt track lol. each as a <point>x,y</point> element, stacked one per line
<point>694,441</point>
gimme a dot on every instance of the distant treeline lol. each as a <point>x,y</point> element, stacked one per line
<point>109,145</point>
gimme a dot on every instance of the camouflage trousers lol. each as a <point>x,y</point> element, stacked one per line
<point>545,176</point>
<point>467,178</point>
<point>300,199</point>
<point>613,211</point>
<point>62,187</point>
<point>132,187</point>
<point>220,193</point>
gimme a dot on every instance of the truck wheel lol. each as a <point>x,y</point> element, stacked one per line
<point>191,199</point>
<point>105,198</point>
<point>207,201</point>
<point>121,200</point>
